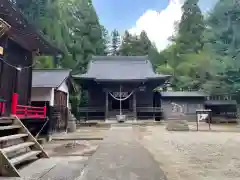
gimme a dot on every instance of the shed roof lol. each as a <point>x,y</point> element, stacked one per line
<point>52,78</point>
<point>120,68</point>
<point>183,94</point>
<point>23,32</point>
<point>220,102</point>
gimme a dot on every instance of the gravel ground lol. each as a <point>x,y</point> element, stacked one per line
<point>194,155</point>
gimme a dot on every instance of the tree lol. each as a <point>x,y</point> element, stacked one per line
<point>125,47</point>
<point>74,26</point>
<point>115,43</point>
<point>88,35</point>
<point>191,27</point>
<point>106,42</point>
<point>223,39</point>
<point>134,45</point>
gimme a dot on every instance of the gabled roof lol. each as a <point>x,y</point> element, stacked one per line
<point>183,94</point>
<point>120,68</point>
<point>51,78</point>
<point>23,32</point>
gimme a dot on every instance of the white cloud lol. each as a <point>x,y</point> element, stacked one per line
<point>159,26</point>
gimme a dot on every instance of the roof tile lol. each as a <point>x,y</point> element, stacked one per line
<point>49,77</point>
<point>120,68</point>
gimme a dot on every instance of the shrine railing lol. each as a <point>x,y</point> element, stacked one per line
<point>91,109</point>
<point>22,111</point>
<point>149,109</point>
<point>138,109</point>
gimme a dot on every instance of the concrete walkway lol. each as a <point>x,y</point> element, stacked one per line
<point>121,157</point>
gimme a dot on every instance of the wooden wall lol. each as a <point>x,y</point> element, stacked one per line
<point>9,76</point>
<point>59,112</point>
<point>60,98</point>
<point>189,106</point>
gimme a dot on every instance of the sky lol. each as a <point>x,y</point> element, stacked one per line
<point>156,17</point>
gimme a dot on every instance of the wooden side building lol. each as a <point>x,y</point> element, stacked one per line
<point>182,104</point>
<point>51,87</point>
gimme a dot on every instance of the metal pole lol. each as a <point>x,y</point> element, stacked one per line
<point>120,95</point>
<point>197,119</point>
<point>209,119</point>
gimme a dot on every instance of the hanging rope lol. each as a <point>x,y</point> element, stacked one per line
<point>19,68</point>
<point>120,99</point>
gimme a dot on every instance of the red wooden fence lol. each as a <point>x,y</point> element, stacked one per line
<point>22,111</point>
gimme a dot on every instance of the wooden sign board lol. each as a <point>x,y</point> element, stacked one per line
<point>203,115</point>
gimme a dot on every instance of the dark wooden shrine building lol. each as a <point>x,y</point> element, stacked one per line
<point>19,43</point>
<point>121,82</point>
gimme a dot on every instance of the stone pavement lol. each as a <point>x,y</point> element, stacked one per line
<point>57,168</point>
<point>121,157</point>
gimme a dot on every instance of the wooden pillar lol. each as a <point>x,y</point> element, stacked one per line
<point>106,105</point>
<point>14,103</point>
<point>134,106</point>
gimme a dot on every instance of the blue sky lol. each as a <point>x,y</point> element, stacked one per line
<point>123,14</point>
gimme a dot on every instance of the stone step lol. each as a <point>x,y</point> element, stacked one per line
<point>17,147</point>
<point>12,137</point>
<point>24,157</point>
<point>9,127</point>
<point>15,153</point>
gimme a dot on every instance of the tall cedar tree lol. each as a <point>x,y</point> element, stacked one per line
<point>88,34</point>
<point>125,47</point>
<point>191,28</point>
<point>133,45</point>
<point>223,38</point>
<point>106,41</point>
<point>74,26</point>
<point>115,43</point>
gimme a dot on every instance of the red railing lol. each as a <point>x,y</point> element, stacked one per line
<point>22,111</point>
<point>2,107</point>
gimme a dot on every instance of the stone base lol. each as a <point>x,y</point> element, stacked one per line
<point>121,118</point>
<point>177,125</point>
<point>72,126</point>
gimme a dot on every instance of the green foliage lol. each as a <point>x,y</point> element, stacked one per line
<point>73,26</point>
<point>134,45</point>
<point>115,43</point>
<point>223,39</point>
<point>44,62</point>
<point>205,58</point>
<point>190,29</point>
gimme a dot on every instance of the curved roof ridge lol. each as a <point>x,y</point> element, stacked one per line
<point>121,68</point>
<point>121,58</point>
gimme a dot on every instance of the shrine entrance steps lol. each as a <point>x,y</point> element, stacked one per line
<point>18,146</point>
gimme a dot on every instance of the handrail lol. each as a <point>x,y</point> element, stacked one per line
<point>33,107</point>
<point>23,111</point>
